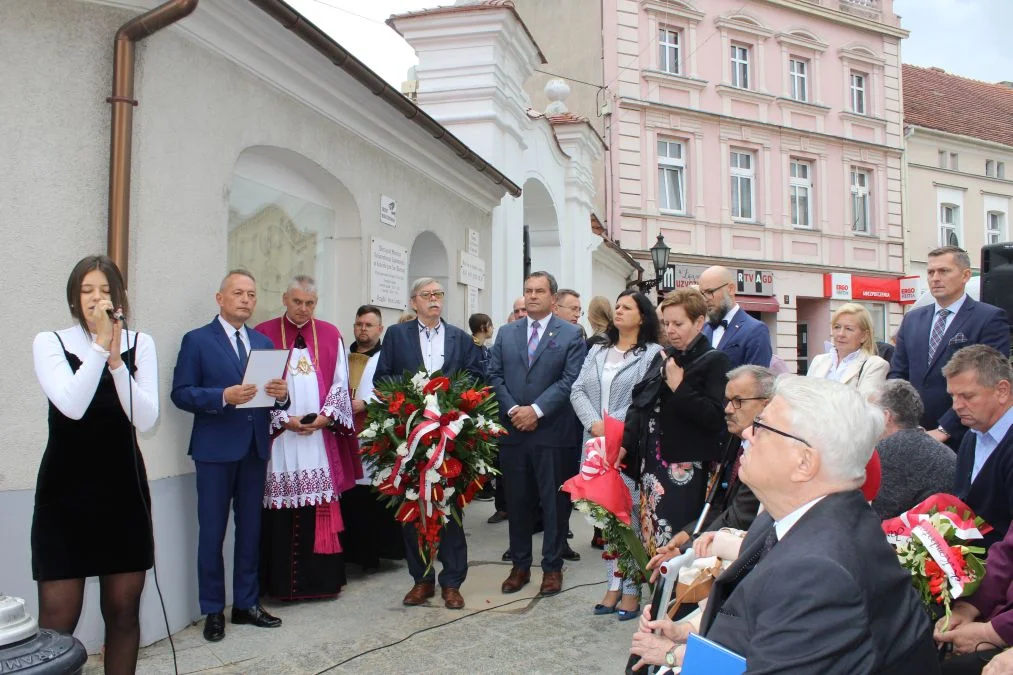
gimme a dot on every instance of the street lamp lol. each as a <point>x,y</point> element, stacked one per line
<point>659,256</point>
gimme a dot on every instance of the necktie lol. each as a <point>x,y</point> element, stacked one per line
<point>533,342</point>
<point>768,543</point>
<point>938,328</point>
<point>241,349</point>
<point>716,324</point>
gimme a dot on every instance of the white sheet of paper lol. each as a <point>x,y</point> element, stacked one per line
<point>263,365</point>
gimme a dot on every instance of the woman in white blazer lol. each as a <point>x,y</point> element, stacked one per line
<point>851,359</point>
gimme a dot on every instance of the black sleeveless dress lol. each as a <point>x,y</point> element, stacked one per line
<point>91,500</point>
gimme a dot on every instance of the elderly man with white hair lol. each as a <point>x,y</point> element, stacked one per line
<point>816,588</point>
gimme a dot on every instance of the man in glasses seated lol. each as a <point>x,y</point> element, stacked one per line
<point>434,344</point>
<point>816,588</point>
<point>748,391</point>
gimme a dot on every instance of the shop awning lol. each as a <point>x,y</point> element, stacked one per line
<point>752,303</point>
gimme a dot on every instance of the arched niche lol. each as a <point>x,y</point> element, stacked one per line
<point>428,258</point>
<point>288,215</point>
<point>543,228</point>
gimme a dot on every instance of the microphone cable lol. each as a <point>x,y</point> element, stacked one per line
<point>147,505</point>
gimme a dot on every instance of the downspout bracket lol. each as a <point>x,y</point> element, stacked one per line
<point>121,99</point>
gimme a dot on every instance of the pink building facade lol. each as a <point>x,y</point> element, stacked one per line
<point>765,136</point>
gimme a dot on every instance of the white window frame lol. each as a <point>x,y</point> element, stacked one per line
<point>742,182</point>
<point>1000,170</point>
<point>861,206</point>
<point>740,66</point>
<point>799,184</point>
<point>990,168</point>
<point>942,159</point>
<point>949,224</point>
<point>669,52</point>
<point>798,74</point>
<point>954,164</point>
<point>667,165</point>
<point>995,227</point>
<point>859,98</point>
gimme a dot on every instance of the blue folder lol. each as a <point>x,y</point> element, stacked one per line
<point>704,657</point>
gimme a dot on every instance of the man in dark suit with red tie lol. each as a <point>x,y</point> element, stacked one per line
<point>816,588</point>
<point>929,336</point>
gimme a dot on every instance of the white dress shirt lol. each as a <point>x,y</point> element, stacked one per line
<point>230,331</point>
<point>954,307</point>
<point>719,332</point>
<point>431,340</point>
<point>987,441</point>
<point>543,324</point>
<point>782,526</point>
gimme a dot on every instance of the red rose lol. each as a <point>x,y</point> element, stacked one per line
<point>408,513</point>
<point>396,403</point>
<point>400,431</point>
<point>451,468</point>
<point>431,438</point>
<point>436,384</point>
<point>437,492</point>
<point>409,408</point>
<point>470,400</point>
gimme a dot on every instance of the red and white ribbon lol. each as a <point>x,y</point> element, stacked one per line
<point>947,559</point>
<point>448,432</point>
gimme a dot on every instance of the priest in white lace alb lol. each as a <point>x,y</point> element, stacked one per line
<point>314,457</point>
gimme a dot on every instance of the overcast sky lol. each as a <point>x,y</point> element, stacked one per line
<point>964,37</point>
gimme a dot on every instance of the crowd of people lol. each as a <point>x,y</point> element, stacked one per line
<point>717,447</point>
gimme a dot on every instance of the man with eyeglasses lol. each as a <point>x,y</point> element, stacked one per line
<point>741,337</point>
<point>748,391</point>
<point>816,588</point>
<point>430,342</point>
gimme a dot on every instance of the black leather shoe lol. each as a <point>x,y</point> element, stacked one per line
<point>569,554</point>
<point>569,534</point>
<point>256,616</point>
<point>506,556</point>
<point>214,627</point>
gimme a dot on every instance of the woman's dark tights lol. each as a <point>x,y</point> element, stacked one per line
<point>60,608</point>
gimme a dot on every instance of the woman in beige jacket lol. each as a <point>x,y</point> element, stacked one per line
<point>852,358</point>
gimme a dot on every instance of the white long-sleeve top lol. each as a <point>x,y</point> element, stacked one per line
<point>72,392</point>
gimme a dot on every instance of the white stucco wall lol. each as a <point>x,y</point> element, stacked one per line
<point>198,111</point>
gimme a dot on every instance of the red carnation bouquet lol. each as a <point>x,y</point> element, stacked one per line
<point>931,541</point>
<point>431,441</point>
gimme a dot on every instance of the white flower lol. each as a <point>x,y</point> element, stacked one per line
<point>402,449</point>
<point>388,423</point>
<point>448,493</point>
<point>368,432</point>
<point>419,381</point>
<point>382,475</point>
<point>431,402</point>
<point>430,451</point>
<point>433,476</point>
<point>411,495</point>
<point>480,422</point>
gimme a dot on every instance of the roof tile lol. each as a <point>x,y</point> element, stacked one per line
<point>938,100</point>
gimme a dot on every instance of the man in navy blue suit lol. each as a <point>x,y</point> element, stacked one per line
<point>742,338</point>
<point>533,365</point>
<point>929,336</point>
<point>230,447</point>
<point>435,345</point>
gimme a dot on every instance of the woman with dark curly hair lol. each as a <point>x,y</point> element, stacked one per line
<point>604,385</point>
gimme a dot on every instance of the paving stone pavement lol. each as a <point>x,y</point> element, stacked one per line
<point>495,633</point>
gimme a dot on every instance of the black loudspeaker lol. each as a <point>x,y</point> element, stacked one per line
<point>997,276</point>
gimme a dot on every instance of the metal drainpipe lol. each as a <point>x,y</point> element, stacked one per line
<point>122,102</point>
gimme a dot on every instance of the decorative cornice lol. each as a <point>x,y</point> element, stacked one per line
<point>743,23</point>
<point>792,38</point>
<point>729,91</point>
<point>673,8</point>
<point>863,119</point>
<point>837,16</point>
<point>860,54</point>
<point>802,106</point>
<point>677,81</point>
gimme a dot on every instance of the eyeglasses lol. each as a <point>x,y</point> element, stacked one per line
<point>430,295</point>
<point>737,401</point>
<point>757,424</point>
<point>709,292</point>
<point>577,309</point>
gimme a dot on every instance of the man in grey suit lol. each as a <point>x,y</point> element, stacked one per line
<point>815,588</point>
<point>532,368</point>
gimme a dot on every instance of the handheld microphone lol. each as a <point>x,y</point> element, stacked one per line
<point>115,314</point>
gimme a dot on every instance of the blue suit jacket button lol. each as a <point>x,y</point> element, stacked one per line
<point>249,418</point>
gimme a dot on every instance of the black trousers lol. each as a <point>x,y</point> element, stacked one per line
<point>968,664</point>
<point>533,475</point>
<point>452,554</point>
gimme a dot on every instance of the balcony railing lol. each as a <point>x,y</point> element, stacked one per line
<point>870,9</point>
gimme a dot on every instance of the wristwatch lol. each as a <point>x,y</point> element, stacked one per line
<point>670,657</point>
<point>943,431</point>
